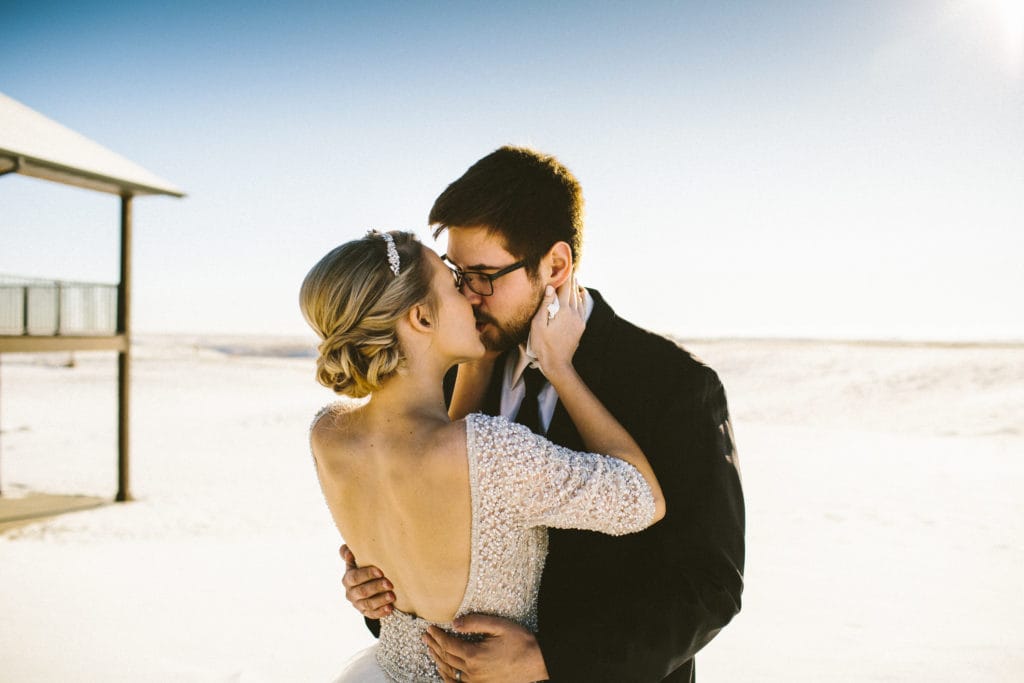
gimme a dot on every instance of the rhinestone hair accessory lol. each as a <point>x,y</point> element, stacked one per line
<point>393,261</point>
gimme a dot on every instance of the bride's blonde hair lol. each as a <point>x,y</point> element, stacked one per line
<point>353,301</point>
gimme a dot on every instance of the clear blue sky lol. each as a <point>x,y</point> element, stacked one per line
<point>850,169</point>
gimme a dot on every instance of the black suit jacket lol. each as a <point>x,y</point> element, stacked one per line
<point>638,607</point>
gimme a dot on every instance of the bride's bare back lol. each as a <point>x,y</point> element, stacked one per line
<point>399,495</point>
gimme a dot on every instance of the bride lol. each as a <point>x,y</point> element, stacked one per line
<point>452,506</point>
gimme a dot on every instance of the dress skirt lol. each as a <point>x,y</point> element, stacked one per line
<point>363,668</point>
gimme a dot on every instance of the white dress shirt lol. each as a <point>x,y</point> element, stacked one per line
<point>513,388</point>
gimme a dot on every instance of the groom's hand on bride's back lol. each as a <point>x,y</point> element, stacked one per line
<point>366,588</point>
<point>508,653</point>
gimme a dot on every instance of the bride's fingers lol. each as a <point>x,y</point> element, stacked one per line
<point>565,293</point>
<point>549,295</point>
<point>543,313</point>
<point>572,297</point>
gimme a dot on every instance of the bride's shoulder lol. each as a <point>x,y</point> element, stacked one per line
<point>480,427</point>
<point>480,421</point>
<point>332,412</point>
<point>331,420</point>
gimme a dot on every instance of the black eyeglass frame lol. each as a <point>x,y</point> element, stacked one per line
<point>460,275</point>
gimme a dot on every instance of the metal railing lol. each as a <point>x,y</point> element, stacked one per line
<point>47,308</point>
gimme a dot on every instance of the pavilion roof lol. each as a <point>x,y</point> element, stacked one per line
<point>34,145</point>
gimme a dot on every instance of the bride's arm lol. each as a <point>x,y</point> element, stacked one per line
<point>471,383</point>
<point>554,341</point>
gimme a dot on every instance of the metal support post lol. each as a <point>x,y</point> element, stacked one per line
<point>124,356</point>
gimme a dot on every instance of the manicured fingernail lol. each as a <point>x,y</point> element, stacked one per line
<point>377,574</point>
<point>387,585</point>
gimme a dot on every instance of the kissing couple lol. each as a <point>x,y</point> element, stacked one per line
<point>565,505</point>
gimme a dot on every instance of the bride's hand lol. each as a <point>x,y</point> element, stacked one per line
<point>553,340</point>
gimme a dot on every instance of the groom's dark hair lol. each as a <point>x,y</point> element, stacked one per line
<point>528,198</point>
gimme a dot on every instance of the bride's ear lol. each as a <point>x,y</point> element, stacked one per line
<point>420,318</point>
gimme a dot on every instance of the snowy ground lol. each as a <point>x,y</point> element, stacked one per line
<point>883,498</point>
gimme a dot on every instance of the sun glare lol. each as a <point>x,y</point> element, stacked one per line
<point>1007,19</point>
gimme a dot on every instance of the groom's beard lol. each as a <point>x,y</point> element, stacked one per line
<point>498,337</point>
<point>502,337</point>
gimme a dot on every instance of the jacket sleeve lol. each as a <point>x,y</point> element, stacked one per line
<point>683,583</point>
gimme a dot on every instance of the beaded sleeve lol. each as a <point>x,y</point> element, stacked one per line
<point>553,486</point>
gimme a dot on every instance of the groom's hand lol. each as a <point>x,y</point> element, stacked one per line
<point>366,588</point>
<point>508,653</point>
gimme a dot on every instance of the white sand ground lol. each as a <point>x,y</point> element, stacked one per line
<point>883,488</point>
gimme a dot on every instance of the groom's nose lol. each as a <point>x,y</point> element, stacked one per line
<point>474,299</point>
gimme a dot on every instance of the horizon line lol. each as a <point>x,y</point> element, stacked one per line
<point>853,341</point>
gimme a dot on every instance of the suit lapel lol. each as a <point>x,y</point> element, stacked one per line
<point>589,361</point>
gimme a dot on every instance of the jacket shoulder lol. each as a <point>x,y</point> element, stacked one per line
<point>651,357</point>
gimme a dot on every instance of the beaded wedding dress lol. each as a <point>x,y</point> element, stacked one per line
<point>520,484</point>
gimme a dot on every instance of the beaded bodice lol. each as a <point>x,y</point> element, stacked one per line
<point>520,484</point>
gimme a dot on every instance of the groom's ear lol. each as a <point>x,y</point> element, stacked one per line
<point>556,265</point>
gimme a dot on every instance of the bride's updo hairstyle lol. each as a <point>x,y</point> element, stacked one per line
<point>353,300</point>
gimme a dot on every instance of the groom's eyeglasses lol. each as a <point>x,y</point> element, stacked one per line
<point>481,283</point>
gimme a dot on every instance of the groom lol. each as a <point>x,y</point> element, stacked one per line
<point>629,608</point>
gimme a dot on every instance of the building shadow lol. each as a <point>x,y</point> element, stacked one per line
<point>32,507</point>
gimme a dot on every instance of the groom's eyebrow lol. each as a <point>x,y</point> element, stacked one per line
<point>476,266</point>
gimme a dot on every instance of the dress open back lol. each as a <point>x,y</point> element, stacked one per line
<point>520,484</point>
